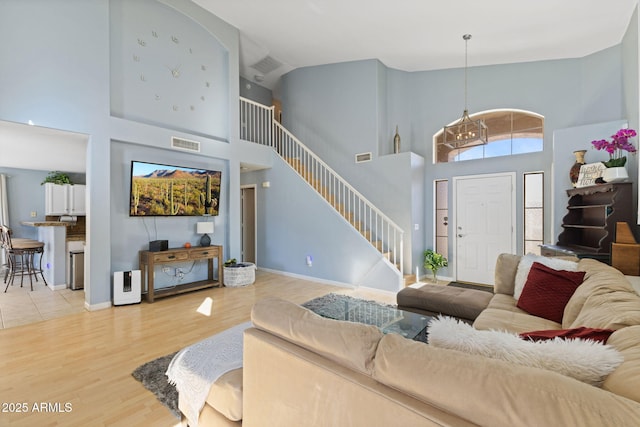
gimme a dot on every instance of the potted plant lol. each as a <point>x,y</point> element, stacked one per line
<point>616,147</point>
<point>57,178</point>
<point>434,261</point>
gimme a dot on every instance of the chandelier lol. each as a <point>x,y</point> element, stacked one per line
<point>465,132</point>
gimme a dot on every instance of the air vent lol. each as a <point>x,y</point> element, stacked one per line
<point>267,65</point>
<point>363,157</point>
<point>185,144</point>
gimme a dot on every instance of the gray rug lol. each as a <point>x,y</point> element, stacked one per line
<point>152,374</point>
<point>152,377</point>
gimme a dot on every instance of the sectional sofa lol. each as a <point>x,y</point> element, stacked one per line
<point>301,369</point>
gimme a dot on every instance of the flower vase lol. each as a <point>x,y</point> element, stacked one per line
<point>396,142</point>
<point>574,172</point>
<point>617,174</point>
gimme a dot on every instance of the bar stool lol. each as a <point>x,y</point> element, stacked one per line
<point>21,258</point>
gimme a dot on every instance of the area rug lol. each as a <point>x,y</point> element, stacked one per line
<point>152,374</point>
<point>485,288</point>
<point>152,377</point>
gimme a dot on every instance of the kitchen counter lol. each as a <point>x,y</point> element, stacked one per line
<point>54,235</point>
<point>47,223</point>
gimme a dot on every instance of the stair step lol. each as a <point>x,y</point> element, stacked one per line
<point>408,279</point>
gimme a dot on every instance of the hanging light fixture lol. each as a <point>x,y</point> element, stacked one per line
<point>465,132</point>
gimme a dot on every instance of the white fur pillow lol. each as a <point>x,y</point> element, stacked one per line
<point>584,360</point>
<point>525,266</point>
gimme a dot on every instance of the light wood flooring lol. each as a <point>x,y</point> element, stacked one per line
<point>79,366</point>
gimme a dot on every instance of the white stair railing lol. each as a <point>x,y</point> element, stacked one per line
<point>257,125</point>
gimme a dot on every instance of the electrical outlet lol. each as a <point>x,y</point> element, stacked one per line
<point>34,214</point>
<point>166,269</point>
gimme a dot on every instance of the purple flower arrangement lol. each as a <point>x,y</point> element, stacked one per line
<point>619,143</point>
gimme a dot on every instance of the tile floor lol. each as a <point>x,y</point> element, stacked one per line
<point>20,305</point>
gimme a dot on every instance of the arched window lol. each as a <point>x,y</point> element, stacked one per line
<point>509,132</point>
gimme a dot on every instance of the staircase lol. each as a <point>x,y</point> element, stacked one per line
<point>259,126</point>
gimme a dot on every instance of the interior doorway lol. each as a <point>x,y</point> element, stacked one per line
<point>248,223</point>
<point>484,224</point>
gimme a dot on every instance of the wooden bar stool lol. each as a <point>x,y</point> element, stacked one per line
<point>21,258</point>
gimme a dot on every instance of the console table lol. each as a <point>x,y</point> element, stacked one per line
<point>148,261</point>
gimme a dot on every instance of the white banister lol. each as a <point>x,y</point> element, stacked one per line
<point>257,125</point>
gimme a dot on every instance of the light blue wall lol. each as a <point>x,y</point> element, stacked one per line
<point>335,110</point>
<point>60,77</point>
<point>255,92</point>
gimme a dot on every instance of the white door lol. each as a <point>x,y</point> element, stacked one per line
<point>484,226</point>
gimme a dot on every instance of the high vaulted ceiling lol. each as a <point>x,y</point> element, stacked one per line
<point>278,36</point>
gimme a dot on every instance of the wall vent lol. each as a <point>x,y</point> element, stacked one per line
<point>363,157</point>
<point>185,144</point>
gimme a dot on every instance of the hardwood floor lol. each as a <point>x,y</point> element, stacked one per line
<point>76,370</point>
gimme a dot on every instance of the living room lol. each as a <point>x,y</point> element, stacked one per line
<point>64,75</point>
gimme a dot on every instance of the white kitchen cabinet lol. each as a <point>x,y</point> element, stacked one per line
<point>65,199</point>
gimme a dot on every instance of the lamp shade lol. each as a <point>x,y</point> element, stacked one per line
<point>204,228</point>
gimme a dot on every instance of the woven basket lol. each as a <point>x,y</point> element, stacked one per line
<point>241,274</point>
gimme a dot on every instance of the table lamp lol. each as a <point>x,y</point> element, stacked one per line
<point>205,228</point>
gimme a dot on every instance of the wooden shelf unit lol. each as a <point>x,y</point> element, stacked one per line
<point>148,261</point>
<point>589,225</point>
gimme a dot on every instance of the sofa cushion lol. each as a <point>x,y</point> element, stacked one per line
<point>524,266</point>
<point>583,360</point>
<point>453,301</point>
<point>612,310</point>
<point>448,379</point>
<point>225,395</point>
<point>505,274</point>
<point>599,279</point>
<point>625,380</point>
<point>350,344</point>
<point>547,291</point>
<point>503,314</point>
<point>584,333</point>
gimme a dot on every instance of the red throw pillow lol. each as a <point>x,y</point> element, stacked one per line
<point>547,291</point>
<point>594,334</point>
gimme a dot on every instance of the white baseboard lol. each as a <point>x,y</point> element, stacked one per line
<point>57,287</point>
<point>309,278</point>
<point>95,307</point>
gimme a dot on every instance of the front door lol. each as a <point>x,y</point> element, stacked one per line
<point>484,227</point>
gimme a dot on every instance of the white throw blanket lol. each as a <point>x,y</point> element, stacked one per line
<point>195,368</point>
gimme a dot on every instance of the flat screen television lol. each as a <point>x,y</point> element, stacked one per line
<point>165,190</point>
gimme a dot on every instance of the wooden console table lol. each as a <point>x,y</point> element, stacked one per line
<point>148,261</point>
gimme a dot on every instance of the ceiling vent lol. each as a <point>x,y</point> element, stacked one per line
<point>267,65</point>
<point>185,144</point>
<point>363,157</point>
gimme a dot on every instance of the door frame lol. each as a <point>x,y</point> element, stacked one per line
<point>454,210</point>
<point>254,187</point>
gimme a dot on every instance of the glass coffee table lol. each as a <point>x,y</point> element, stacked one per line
<point>388,319</point>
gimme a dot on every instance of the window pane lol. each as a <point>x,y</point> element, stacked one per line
<point>532,247</point>
<point>442,197</point>
<point>510,132</point>
<point>442,217</point>
<point>533,190</point>
<point>442,246</point>
<point>533,224</point>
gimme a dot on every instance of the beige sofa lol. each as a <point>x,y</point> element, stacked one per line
<point>304,370</point>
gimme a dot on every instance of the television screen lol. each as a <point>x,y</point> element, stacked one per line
<point>163,190</point>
